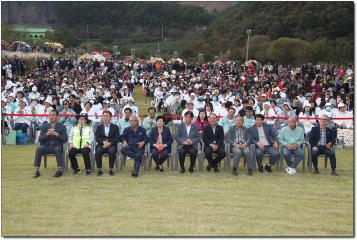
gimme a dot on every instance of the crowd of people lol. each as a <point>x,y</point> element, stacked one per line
<point>254,104</point>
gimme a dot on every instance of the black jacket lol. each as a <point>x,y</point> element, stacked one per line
<point>209,138</point>
<point>54,140</point>
<point>314,136</point>
<point>113,136</point>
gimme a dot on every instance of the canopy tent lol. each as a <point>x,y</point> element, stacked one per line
<point>99,57</point>
<point>247,63</point>
<point>155,60</point>
<point>173,60</point>
<point>106,54</point>
<point>218,62</point>
<point>86,56</point>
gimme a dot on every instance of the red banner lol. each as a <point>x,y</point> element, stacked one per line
<point>142,116</point>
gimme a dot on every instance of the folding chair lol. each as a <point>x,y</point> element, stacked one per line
<point>104,155</point>
<point>230,155</point>
<point>150,157</point>
<point>304,146</point>
<point>254,156</point>
<point>65,149</point>
<point>121,159</point>
<point>321,155</point>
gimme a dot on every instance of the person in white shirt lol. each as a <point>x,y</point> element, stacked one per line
<point>327,110</point>
<point>307,113</point>
<point>131,105</point>
<point>342,113</point>
<point>190,107</point>
<point>22,122</point>
<point>267,112</point>
<point>34,94</point>
<point>221,110</point>
<point>89,111</point>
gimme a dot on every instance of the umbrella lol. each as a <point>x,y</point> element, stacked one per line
<point>247,63</point>
<point>106,53</point>
<point>95,53</point>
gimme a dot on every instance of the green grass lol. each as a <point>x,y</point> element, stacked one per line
<point>168,204</point>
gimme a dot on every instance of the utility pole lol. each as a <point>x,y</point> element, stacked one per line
<point>87,38</point>
<point>249,31</point>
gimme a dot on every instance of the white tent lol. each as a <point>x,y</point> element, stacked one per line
<point>99,57</point>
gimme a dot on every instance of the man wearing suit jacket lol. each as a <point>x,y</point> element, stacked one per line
<point>134,140</point>
<point>107,137</point>
<point>239,139</point>
<point>187,137</point>
<point>322,140</point>
<point>213,138</point>
<point>266,141</point>
<point>51,139</point>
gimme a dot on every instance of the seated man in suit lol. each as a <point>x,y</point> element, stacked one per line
<point>290,138</point>
<point>80,139</point>
<point>160,143</point>
<point>239,139</point>
<point>266,141</point>
<point>213,138</point>
<point>52,137</point>
<point>107,137</point>
<point>134,139</point>
<point>322,140</point>
<point>187,137</point>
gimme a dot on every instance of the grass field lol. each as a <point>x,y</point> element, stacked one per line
<point>168,204</point>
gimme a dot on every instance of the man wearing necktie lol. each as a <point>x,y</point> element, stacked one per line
<point>80,139</point>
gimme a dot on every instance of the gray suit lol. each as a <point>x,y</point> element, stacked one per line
<point>231,138</point>
<point>181,137</point>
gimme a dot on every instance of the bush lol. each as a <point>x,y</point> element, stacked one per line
<point>287,51</point>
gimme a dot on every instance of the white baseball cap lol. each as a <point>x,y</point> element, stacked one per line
<point>341,105</point>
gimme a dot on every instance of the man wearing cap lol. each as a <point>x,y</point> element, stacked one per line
<point>322,139</point>
<point>135,110</point>
<point>268,113</point>
<point>52,137</point>
<point>34,94</point>
<point>286,114</point>
<point>291,139</point>
<point>342,113</point>
<point>80,139</point>
<point>190,107</point>
<point>327,110</point>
